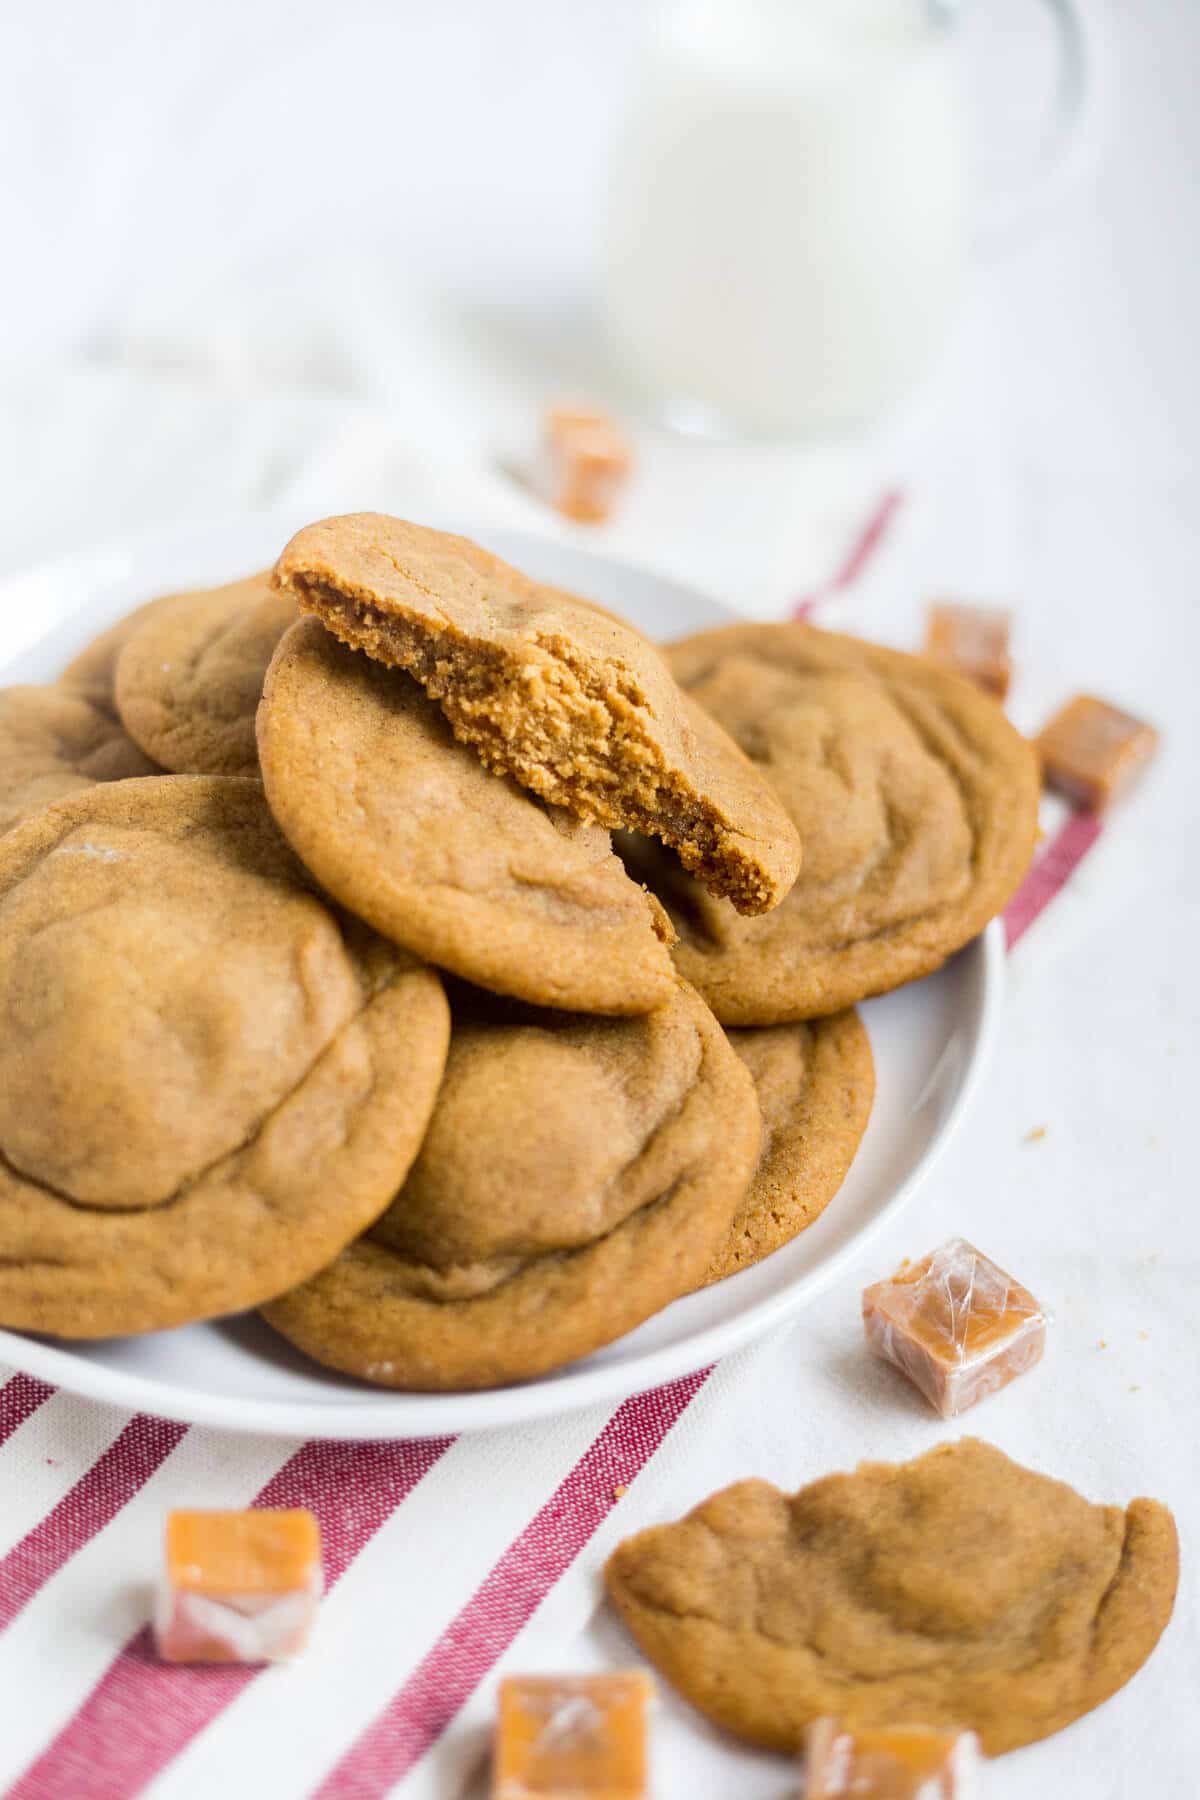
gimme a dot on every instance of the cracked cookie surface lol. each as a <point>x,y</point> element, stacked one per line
<point>189,676</point>
<point>915,798</point>
<point>209,1083</point>
<point>959,1589</point>
<point>53,744</point>
<point>815,1083</point>
<point>407,828</point>
<point>556,692</point>
<point>578,1174</point>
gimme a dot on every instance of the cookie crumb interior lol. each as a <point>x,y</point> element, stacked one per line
<point>558,730</point>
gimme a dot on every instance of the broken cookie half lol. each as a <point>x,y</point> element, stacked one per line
<point>570,701</point>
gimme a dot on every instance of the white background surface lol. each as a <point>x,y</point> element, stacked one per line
<point>157,156</point>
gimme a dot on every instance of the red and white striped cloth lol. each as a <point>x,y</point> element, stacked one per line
<point>446,1559</point>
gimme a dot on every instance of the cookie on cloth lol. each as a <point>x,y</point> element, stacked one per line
<point>209,1082</point>
<point>407,828</point>
<point>959,1590</point>
<point>915,798</point>
<point>551,690</point>
<point>577,1175</point>
<point>53,744</point>
<point>189,677</point>
<point>815,1084</point>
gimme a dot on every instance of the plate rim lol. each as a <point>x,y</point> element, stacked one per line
<point>392,1415</point>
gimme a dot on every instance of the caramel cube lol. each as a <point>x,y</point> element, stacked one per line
<point>240,1587</point>
<point>957,1325</point>
<point>571,1737</point>
<point>973,640</point>
<point>585,462</point>
<point>1092,752</point>
<point>900,1762</point>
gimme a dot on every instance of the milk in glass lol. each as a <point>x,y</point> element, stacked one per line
<point>786,236</point>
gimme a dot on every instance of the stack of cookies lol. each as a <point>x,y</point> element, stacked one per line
<point>415,952</point>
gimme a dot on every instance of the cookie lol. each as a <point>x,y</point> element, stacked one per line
<point>915,798</point>
<point>53,744</point>
<point>209,1083</point>
<point>407,828</point>
<point>815,1085</point>
<point>578,1174</point>
<point>958,1590</point>
<point>92,673</point>
<point>550,690</point>
<point>189,678</point>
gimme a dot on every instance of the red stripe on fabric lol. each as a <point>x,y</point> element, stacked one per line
<point>142,1713</point>
<point>19,1397</point>
<point>127,1464</point>
<point>440,1685</point>
<point>860,553</point>
<point>1050,872</point>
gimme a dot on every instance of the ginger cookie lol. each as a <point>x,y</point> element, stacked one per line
<point>190,676</point>
<point>209,1082</point>
<point>915,798</point>
<point>407,828</point>
<point>53,744</point>
<point>92,673</point>
<point>578,1174</point>
<point>815,1084</point>
<point>959,1590</point>
<point>551,690</point>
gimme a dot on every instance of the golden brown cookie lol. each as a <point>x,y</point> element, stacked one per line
<point>959,1590</point>
<point>209,1083</point>
<point>815,1084</point>
<point>915,798</point>
<point>550,690</point>
<point>578,1174</point>
<point>407,828</point>
<point>53,744</point>
<point>93,672</point>
<point>189,678</point>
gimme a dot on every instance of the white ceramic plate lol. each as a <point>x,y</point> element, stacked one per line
<point>929,1042</point>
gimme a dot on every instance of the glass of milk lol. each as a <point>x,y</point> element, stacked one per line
<point>788,221</point>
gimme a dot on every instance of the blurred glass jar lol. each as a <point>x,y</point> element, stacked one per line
<point>787,223</point>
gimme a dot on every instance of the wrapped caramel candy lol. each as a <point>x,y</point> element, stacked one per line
<point>239,1587</point>
<point>956,1324</point>
<point>972,640</point>
<point>571,1735</point>
<point>901,1762</point>
<point>585,462</point>
<point>1092,752</point>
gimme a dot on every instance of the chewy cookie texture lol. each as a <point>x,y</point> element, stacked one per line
<point>577,1175</point>
<point>53,744</point>
<point>410,831</point>
<point>209,1082</point>
<point>564,697</point>
<point>93,672</point>
<point>914,797</point>
<point>188,678</point>
<point>960,1591</point>
<point>815,1084</point>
